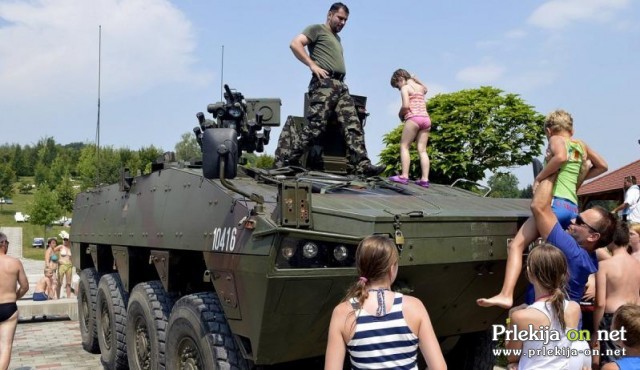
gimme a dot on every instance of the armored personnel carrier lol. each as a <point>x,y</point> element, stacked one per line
<point>213,265</point>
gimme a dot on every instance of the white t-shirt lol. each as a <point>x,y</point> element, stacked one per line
<point>632,198</point>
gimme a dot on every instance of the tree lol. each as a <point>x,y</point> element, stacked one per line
<point>474,130</point>
<point>44,208</point>
<point>7,177</point>
<point>265,161</point>
<point>527,193</point>
<point>66,194</point>
<point>187,148</point>
<point>504,185</point>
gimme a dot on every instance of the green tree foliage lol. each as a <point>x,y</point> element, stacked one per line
<point>503,185</point>
<point>66,194</point>
<point>474,130</point>
<point>265,161</point>
<point>147,156</point>
<point>44,208</point>
<point>7,177</point>
<point>527,193</point>
<point>42,174</point>
<point>107,161</point>
<point>187,148</point>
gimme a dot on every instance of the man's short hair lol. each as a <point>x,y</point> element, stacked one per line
<point>606,226</point>
<point>621,236</point>
<point>337,6</point>
<point>631,179</point>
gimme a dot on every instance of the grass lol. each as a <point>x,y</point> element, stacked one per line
<point>29,231</point>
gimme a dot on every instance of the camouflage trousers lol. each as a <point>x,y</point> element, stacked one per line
<point>325,97</point>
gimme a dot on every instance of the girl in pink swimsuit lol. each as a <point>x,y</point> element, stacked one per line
<point>416,127</point>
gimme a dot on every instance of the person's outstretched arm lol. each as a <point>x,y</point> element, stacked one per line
<point>598,165</point>
<point>428,342</point>
<point>558,152</point>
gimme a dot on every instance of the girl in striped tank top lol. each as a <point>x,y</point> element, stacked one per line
<point>380,329</point>
<point>416,127</point>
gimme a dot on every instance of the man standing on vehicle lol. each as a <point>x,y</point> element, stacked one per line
<point>631,205</point>
<point>11,274</point>
<point>328,93</point>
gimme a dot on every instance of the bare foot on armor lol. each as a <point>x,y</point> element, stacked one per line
<point>497,300</point>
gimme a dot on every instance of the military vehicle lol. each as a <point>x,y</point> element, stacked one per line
<point>213,265</point>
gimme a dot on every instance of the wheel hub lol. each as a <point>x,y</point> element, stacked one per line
<point>106,325</point>
<point>190,358</point>
<point>143,344</point>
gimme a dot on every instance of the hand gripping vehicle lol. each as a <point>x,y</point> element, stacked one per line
<point>213,265</point>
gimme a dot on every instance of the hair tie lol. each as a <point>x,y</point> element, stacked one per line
<point>363,280</point>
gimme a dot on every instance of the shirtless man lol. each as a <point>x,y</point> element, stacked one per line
<point>617,283</point>
<point>11,274</point>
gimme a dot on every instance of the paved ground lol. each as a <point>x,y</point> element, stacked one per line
<point>51,343</point>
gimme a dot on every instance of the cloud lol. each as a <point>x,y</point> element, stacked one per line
<point>484,73</point>
<point>556,14</point>
<point>49,48</point>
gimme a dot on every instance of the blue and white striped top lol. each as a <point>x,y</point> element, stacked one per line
<point>383,342</point>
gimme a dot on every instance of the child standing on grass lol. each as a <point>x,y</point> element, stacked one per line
<point>416,127</point>
<point>567,157</point>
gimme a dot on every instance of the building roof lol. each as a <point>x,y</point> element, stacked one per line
<point>612,181</point>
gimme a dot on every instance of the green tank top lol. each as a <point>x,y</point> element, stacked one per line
<point>567,180</point>
<point>325,48</point>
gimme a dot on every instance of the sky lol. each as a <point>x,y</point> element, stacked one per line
<point>161,63</point>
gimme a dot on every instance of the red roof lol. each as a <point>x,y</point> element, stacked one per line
<point>611,181</point>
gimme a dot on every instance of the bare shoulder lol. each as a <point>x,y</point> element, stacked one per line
<point>413,308</point>
<point>527,316</point>
<point>610,366</point>
<point>573,308</point>
<point>342,309</point>
<point>413,302</point>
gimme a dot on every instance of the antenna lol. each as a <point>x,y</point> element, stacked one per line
<point>98,123</point>
<point>222,75</point>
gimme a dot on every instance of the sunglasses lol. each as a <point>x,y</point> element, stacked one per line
<point>5,242</point>
<point>580,222</point>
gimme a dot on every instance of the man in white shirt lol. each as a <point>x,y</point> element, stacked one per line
<point>631,204</point>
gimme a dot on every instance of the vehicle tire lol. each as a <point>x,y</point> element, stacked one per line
<point>87,296</point>
<point>474,351</point>
<point>199,336</point>
<point>147,319</point>
<point>111,317</point>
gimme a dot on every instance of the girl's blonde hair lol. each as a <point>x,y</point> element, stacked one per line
<point>559,120</point>
<point>375,257</point>
<point>548,265</point>
<point>397,75</point>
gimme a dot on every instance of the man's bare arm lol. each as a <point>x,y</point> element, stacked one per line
<point>297,46</point>
<point>541,207</point>
<point>23,282</point>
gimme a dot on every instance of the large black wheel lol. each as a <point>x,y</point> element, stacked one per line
<point>147,319</point>
<point>111,316</point>
<point>199,336</point>
<point>474,351</point>
<point>87,296</point>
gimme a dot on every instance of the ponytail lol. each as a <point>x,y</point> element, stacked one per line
<point>557,303</point>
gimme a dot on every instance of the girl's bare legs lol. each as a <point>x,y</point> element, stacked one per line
<point>525,236</point>
<point>423,138</point>
<point>408,135</point>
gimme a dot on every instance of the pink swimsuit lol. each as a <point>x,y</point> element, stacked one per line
<point>418,111</point>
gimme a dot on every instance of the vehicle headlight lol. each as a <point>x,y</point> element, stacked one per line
<point>288,252</point>
<point>340,253</point>
<point>309,250</point>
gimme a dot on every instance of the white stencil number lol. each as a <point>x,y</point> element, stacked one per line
<point>224,239</point>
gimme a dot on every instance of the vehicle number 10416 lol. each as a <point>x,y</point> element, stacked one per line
<point>224,239</point>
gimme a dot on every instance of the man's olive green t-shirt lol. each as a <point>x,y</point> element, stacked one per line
<point>325,48</point>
